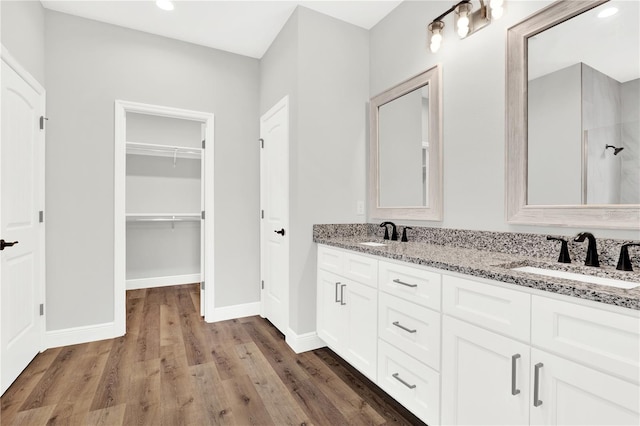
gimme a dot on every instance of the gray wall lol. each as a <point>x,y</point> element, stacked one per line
<point>322,64</point>
<point>555,138</point>
<point>22,26</point>
<point>474,108</point>
<point>89,65</point>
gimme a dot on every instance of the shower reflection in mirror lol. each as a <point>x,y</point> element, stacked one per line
<point>583,110</point>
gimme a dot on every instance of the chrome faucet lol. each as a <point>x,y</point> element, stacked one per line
<point>592,250</point>
<point>394,232</point>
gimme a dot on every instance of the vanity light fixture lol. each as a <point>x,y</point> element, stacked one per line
<point>165,4</point>
<point>467,20</point>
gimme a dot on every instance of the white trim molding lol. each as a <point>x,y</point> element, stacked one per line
<point>235,311</point>
<point>84,334</point>
<point>304,342</point>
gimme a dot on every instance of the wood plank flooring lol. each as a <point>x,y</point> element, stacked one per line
<point>172,368</point>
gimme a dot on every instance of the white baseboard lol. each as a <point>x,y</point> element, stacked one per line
<point>76,335</point>
<point>232,312</point>
<point>304,342</point>
<point>162,281</point>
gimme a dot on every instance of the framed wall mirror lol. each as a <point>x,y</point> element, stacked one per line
<point>572,116</point>
<point>405,155</point>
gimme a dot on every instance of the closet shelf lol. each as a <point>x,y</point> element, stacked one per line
<point>163,217</point>
<point>156,150</point>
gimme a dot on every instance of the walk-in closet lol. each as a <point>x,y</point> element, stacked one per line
<point>167,186</point>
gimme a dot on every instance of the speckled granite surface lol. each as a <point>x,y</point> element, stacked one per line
<point>492,258</point>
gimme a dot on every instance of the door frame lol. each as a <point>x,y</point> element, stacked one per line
<point>13,63</point>
<point>282,103</point>
<point>120,245</point>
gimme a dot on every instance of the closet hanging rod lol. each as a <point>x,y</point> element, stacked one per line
<point>163,150</point>
<point>163,218</point>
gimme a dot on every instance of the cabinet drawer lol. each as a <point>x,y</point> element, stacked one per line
<point>361,268</point>
<point>409,382</point>
<point>495,308</point>
<point>413,284</point>
<point>606,340</point>
<point>411,328</point>
<point>330,260</point>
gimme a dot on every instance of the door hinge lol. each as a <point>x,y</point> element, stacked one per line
<point>41,216</point>
<point>261,214</point>
<point>202,215</point>
<point>42,118</point>
<point>261,142</point>
<point>41,309</point>
<point>202,285</point>
<point>203,144</point>
<point>263,284</point>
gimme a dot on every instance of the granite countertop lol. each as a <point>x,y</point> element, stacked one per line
<point>496,266</point>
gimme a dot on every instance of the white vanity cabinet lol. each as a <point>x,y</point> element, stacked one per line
<point>383,318</point>
<point>485,374</point>
<point>460,350</point>
<point>577,366</point>
<point>409,337</point>
<point>588,364</point>
<point>348,307</point>
<point>570,393</point>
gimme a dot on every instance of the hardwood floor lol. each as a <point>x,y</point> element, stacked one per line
<point>172,368</point>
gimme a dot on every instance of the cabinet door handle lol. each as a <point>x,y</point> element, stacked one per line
<point>337,300</point>
<point>342,286</point>
<point>536,385</point>
<point>408,330</point>
<point>397,377</point>
<point>397,281</point>
<point>514,390</point>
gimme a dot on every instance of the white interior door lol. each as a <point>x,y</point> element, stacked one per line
<point>274,199</point>
<point>21,198</point>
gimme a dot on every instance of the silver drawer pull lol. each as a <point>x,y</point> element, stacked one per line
<point>408,330</point>
<point>337,300</point>
<point>514,389</point>
<point>403,283</point>
<point>396,376</point>
<point>342,286</point>
<point>536,385</point>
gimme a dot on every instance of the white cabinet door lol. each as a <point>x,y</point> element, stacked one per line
<point>331,318</point>
<point>360,303</point>
<point>571,394</point>
<point>485,377</point>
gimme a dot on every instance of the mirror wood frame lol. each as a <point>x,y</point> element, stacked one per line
<point>620,216</point>
<point>431,77</point>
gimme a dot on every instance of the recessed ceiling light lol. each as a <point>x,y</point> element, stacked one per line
<point>165,4</point>
<point>610,11</point>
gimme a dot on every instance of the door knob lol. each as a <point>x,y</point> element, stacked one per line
<point>281,232</point>
<point>4,244</point>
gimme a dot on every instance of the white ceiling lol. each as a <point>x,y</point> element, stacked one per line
<point>243,27</point>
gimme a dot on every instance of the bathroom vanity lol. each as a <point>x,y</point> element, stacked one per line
<point>458,336</point>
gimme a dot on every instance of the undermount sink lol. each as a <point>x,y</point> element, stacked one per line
<point>578,277</point>
<point>373,244</point>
